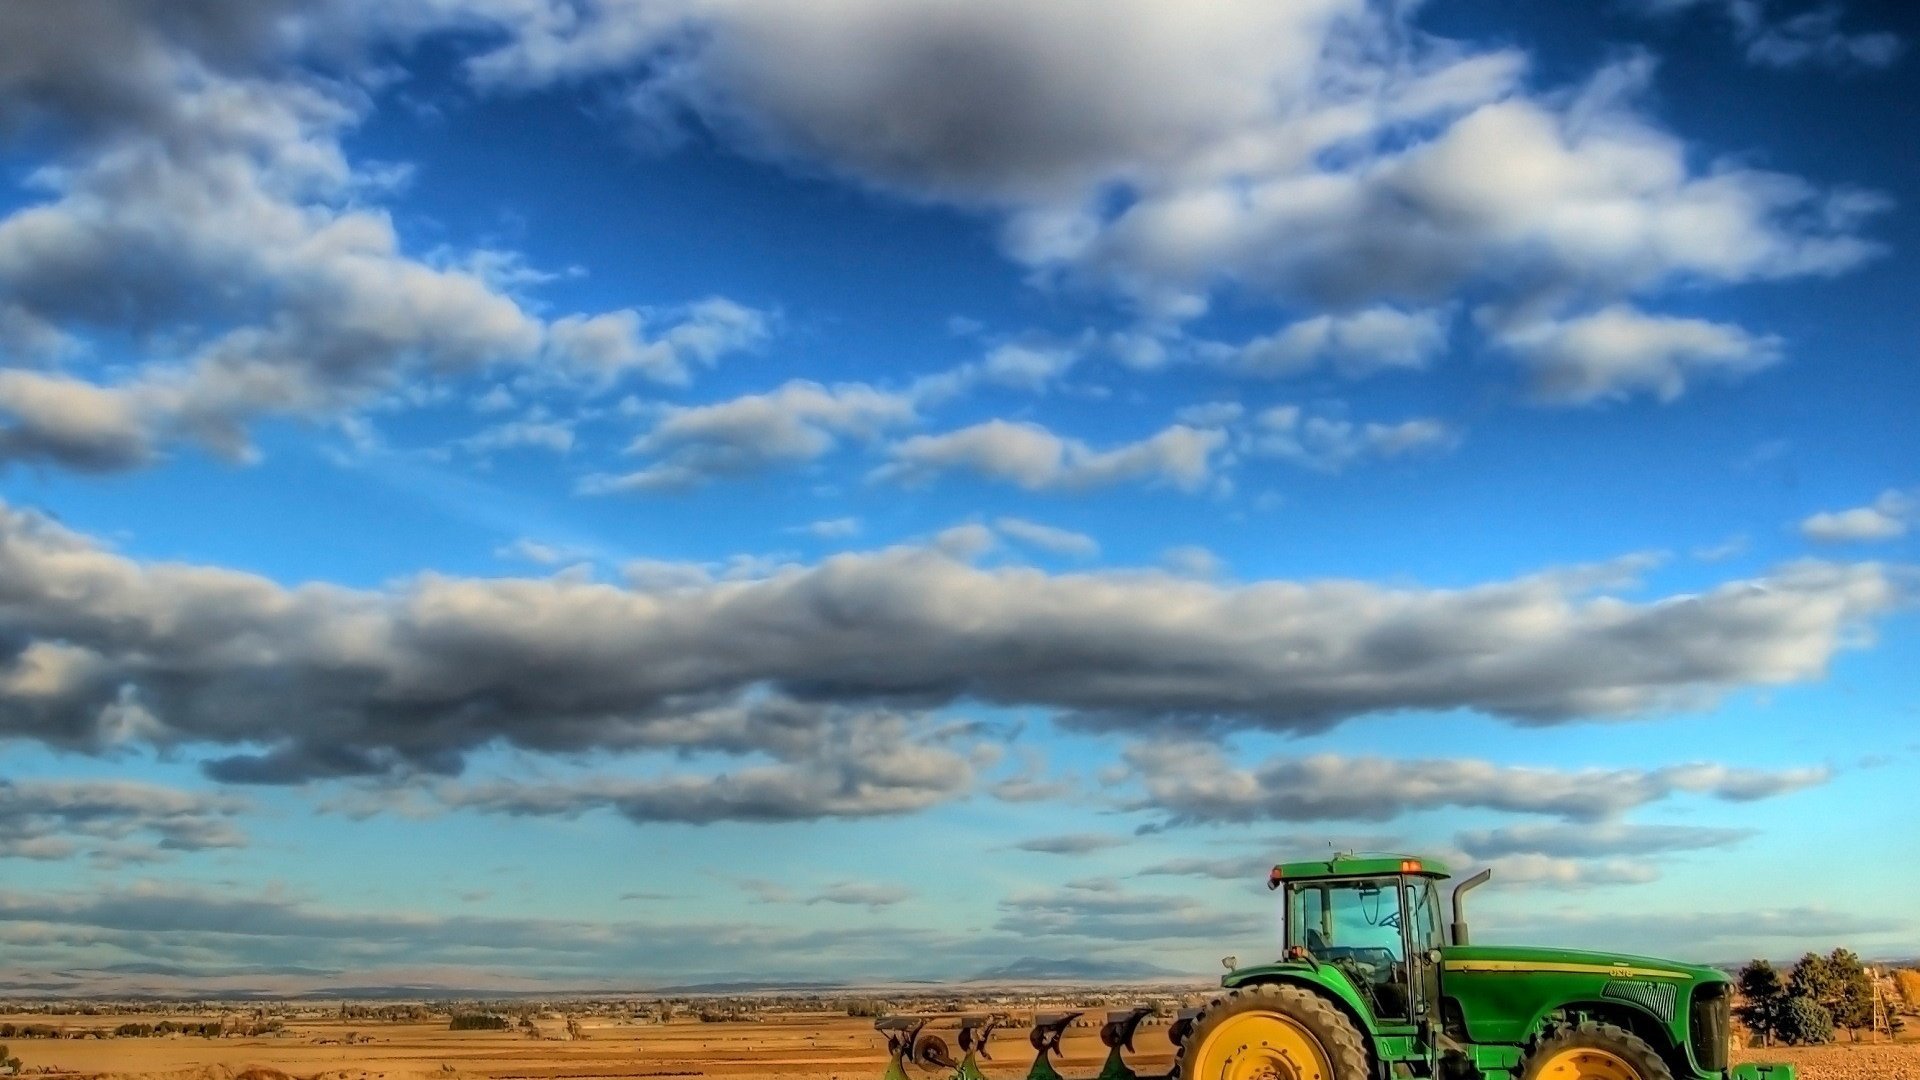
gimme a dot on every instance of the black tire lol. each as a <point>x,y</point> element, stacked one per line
<point>1337,1034</point>
<point>1618,1041</point>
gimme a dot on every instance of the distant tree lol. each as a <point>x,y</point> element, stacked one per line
<point>1839,983</point>
<point>1812,977</point>
<point>1804,1022</point>
<point>1762,995</point>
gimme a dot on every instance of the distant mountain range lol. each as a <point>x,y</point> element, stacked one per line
<point>1043,969</point>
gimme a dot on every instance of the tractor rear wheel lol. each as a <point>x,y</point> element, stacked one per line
<point>1592,1051</point>
<point>1272,1031</point>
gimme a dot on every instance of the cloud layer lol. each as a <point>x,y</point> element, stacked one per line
<point>104,650</point>
<point>1191,784</point>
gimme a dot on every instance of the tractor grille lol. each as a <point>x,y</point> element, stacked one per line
<point>1656,998</point>
<point>1711,1029</point>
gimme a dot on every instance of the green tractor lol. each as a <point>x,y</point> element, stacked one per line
<point>1372,985</point>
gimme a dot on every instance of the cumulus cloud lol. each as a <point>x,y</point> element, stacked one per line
<point>1358,344</point>
<point>1813,36</point>
<point>1618,352</point>
<point>1032,457</point>
<point>797,422</point>
<point>198,206</point>
<point>112,819</point>
<point>1191,784</point>
<point>98,649</point>
<point>1329,444</point>
<point>829,763</point>
<point>1331,151</point>
<point>1032,368</point>
<point>1886,518</point>
<point>610,345</point>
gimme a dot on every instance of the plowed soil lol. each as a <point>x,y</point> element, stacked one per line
<point>788,1047</point>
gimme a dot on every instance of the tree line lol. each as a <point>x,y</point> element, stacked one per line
<point>1819,995</point>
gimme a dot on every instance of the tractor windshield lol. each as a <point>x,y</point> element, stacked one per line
<point>1354,924</point>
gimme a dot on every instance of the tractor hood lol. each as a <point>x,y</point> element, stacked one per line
<point>1524,958</point>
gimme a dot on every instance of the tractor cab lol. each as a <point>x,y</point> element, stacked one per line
<point>1374,918</point>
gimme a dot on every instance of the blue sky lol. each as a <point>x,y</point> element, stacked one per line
<point>571,493</point>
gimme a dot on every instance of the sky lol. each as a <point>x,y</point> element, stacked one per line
<point>551,494</point>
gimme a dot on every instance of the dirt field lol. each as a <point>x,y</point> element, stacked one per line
<point>788,1047</point>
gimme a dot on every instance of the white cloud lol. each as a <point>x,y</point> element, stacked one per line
<point>543,554</point>
<point>114,820</point>
<point>1192,560</point>
<point>1029,456</point>
<point>106,651</point>
<point>1328,150</point>
<point>828,764</point>
<point>839,528</point>
<point>1049,538</point>
<point>607,346</point>
<point>1887,518</point>
<point>1330,445</point>
<point>1194,784</point>
<point>1596,839</point>
<point>1618,352</point>
<point>529,433</point>
<point>1031,368</point>
<point>197,199</point>
<point>1362,343</point>
<point>797,422</point>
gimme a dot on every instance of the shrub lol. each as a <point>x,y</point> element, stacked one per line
<point>1909,982</point>
<point>8,1062</point>
<point>478,1022</point>
<point>1804,1021</point>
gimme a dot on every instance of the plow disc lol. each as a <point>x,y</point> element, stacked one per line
<point>909,1043</point>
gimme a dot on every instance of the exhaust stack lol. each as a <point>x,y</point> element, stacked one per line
<point>1459,928</point>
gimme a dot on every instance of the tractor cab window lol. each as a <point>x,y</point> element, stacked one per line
<point>1355,926</point>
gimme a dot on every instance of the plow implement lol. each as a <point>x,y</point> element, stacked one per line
<point>909,1043</point>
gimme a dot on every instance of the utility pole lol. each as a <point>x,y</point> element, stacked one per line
<point>1874,973</point>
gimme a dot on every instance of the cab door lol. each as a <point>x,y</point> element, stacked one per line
<point>1420,915</point>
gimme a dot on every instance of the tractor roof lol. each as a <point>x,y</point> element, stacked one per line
<point>1366,864</point>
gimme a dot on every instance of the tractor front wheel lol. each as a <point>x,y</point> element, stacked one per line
<point>1592,1051</point>
<point>1273,1032</point>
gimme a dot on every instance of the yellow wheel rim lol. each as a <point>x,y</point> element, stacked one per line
<point>1262,1046</point>
<point>1581,1063</point>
